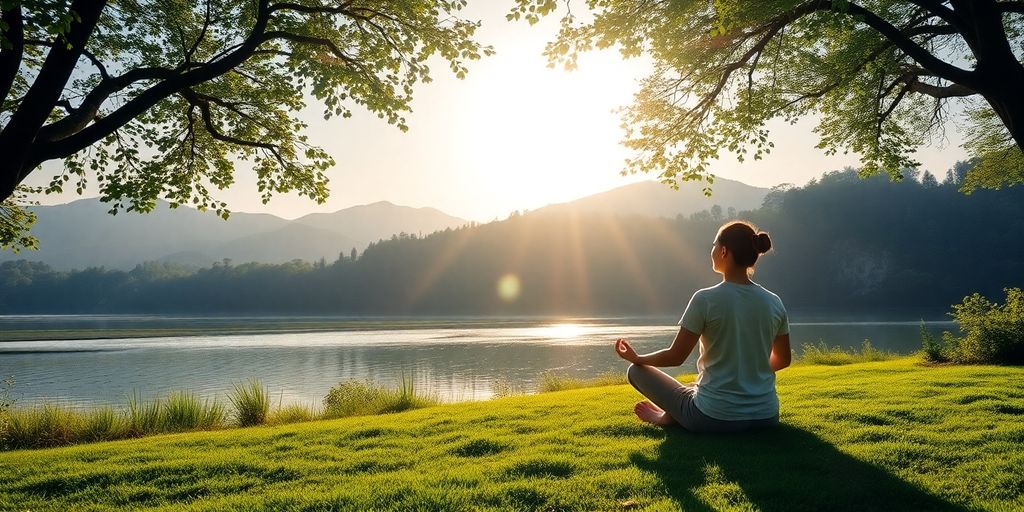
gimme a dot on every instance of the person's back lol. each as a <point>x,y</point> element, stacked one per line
<point>738,325</point>
<point>743,333</point>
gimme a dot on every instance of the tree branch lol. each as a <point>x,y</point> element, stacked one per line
<point>158,92</point>
<point>202,34</point>
<point>45,91</point>
<point>80,117</point>
<point>937,8</point>
<point>920,55</point>
<point>941,92</point>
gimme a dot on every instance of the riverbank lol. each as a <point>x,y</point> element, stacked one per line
<point>892,435</point>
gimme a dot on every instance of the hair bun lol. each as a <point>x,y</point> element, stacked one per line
<point>762,242</point>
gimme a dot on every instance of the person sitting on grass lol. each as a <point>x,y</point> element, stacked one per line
<point>743,332</point>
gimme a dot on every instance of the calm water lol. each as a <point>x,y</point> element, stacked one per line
<point>460,359</point>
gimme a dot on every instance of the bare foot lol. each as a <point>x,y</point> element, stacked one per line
<point>653,414</point>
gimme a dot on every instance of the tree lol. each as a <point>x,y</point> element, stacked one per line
<point>928,179</point>
<point>160,99</point>
<point>880,74</point>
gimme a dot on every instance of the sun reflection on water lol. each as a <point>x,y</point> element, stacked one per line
<point>562,330</point>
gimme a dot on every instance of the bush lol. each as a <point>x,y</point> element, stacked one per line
<point>991,333</point>
<point>251,402</point>
<point>823,354</point>
<point>931,347</point>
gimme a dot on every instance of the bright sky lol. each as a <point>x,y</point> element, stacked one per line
<point>514,135</point>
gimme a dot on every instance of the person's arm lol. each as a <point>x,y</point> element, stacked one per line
<point>675,355</point>
<point>781,354</point>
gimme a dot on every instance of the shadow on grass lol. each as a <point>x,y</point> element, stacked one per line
<point>785,468</point>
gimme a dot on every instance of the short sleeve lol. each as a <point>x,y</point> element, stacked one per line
<point>694,315</point>
<point>784,325</point>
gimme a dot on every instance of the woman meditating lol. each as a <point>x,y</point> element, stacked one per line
<point>744,339</point>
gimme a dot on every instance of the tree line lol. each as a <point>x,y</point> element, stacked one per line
<point>842,244</point>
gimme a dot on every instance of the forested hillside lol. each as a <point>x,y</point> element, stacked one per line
<point>842,245</point>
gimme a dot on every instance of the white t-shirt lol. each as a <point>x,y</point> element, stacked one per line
<point>737,324</point>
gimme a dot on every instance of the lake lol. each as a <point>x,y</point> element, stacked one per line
<point>300,358</point>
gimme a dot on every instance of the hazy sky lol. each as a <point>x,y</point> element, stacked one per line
<point>514,135</point>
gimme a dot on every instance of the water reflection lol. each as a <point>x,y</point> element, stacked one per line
<point>458,361</point>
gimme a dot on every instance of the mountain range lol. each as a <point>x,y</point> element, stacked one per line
<point>82,234</point>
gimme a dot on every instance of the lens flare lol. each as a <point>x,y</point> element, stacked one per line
<point>508,287</point>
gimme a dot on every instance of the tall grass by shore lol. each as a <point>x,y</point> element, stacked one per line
<point>51,424</point>
<point>54,424</point>
<point>823,354</point>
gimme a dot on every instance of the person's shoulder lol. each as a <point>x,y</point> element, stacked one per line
<point>772,295</point>
<point>708,291</point>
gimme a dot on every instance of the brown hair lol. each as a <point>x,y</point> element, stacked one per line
<point>744,241</point>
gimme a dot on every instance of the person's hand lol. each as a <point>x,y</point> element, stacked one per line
<point>625,350</point>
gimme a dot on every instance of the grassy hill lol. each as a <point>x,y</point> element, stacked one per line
<point>891,435</point>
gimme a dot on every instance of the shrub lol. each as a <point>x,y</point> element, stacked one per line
<point>251,402</point>
<point>930,346</point>
<point>822,353</point>
<point>991,333</point>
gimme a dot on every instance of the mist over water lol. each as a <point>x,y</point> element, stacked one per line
<point>459,359</point>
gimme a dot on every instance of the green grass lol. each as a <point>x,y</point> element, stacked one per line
<point>893,435</point>
<point>823,354</point>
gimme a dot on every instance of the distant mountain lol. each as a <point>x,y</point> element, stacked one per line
<point>654,199</point>
<point>366,223</point>
<point>82,234</point>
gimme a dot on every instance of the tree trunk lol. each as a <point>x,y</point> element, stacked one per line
<point>19,135</point>
<point>1007,99</point>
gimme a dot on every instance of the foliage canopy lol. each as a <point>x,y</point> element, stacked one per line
<point>883,77</point>
<point>160,98</point>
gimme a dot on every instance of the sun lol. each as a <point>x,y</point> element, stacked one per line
<point>536,135</point>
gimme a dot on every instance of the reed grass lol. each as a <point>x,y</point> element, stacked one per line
<point>551,381</point>
<point>104,424</point>
<point>143,417</point>
<point>292,413</point>
<point>251,402</point>
<point>357,398</point>
<point>823,354</point>
<point>184,410</point>
<point>501,388</point>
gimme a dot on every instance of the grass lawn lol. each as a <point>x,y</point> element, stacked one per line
<point>874,436</point>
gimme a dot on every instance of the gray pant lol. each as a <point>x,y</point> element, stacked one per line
<point>677,400</point>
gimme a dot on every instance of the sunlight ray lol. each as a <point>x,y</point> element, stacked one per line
<point>452,249</point>
<point>629,258</point>
<point>578,263</point>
